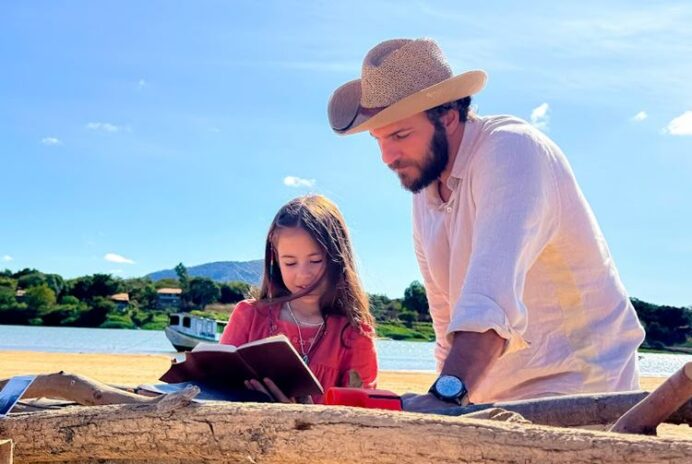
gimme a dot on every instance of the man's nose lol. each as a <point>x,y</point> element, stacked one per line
<point>390,153</point>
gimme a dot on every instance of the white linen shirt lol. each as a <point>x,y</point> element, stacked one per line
<point>517,249</point>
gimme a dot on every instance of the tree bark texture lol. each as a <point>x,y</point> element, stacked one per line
<point>276,433</point>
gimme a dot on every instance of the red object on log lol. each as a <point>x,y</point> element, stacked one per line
<point>363,398</point>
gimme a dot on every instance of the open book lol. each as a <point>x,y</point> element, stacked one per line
<point>228,366</point>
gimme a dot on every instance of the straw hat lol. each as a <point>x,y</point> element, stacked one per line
<point>400,78</point>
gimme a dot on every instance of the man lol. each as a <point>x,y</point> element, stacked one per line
<point>524,296</point>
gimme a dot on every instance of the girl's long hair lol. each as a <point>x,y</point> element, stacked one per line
<point>322,219</point>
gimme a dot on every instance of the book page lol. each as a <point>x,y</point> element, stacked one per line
<point>203,346</point>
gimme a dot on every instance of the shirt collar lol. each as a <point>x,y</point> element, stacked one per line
<point>458,169</point>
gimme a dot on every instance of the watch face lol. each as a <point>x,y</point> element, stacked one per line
<point>449,386</point>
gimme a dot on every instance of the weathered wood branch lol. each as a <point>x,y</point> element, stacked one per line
<point>574,410</point>
<point>82,390</point>
<point>646,415</point>
<point>273,433</point>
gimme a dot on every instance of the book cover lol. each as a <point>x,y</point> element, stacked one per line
<point>228,366</point>
<point>13,391</point>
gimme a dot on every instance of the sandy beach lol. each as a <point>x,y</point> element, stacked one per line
<point>135,369</point>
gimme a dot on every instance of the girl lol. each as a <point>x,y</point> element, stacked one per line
<point>311,293</point>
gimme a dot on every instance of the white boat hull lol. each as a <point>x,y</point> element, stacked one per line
<point>182,341</point>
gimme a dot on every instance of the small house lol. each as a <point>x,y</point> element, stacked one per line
<point>168,297</point>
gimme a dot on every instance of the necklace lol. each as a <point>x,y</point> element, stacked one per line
<point>303,351</point>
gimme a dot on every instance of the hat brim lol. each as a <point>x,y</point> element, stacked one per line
<point>344,105</point>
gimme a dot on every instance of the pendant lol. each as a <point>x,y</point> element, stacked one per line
<point>305,358</point>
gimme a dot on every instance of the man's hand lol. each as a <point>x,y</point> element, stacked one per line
<point>423,403</point>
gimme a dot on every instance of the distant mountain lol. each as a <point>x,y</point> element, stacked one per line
<point>222,271</point>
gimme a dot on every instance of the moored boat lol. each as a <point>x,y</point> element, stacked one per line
<point>186,330</point>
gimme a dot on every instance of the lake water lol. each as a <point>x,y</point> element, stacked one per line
<point>392,355</point>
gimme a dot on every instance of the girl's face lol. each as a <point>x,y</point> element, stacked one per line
<point>301,260</point>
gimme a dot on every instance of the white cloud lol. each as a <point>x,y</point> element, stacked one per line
<point>7,258</point>
<point>141,84</point>
<point>639,117</point>
<point>292,181</point>
<point>114,258</point>
<point>103,126</point>
<point>51,141</point>
<point>540,117</point>
<point>682,125</point>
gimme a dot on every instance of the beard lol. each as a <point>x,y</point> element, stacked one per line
<point>430,168</point>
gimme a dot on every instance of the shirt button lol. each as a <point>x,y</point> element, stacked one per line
<point>449,209</point>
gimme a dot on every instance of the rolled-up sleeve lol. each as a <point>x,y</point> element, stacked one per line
<point>514,195</point>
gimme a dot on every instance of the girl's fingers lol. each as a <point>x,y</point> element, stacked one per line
<point>276,392</point>
<point>256,385</point>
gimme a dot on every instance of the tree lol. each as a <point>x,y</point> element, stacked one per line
<point>183,276</point>
<point>105,285</point>
<point>89,287</point>
<point>8,282</point>
<point>142,292</point>
<point>56,283</point>
<point>39,298</point>
<point>167,283</point>
<point>377,306</point>
<point>33,279</point>
<point>97,313</point>
<point>415,298</point>
<point>203,291</point>
<point>408,317</point>
<point>233,292</point>
<point>24,272</point>
<point>665,325</point>
<point>7,297</point>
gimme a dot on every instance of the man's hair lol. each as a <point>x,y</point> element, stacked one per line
<point>461,105</point>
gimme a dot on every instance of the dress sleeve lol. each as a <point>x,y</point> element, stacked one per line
<point>361,357</point>
<point>516,214</point>
<point>237,330</point>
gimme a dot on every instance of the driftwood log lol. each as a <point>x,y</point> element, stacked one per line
<point>79,389</point>
<point>574,410</point>
<point>561,411</point>
<point>273,433</point>
<point>657,406</point>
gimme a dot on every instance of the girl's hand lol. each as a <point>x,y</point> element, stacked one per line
<point>269,388</point>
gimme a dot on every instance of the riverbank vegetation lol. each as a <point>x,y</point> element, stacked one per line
<point>102,300</point>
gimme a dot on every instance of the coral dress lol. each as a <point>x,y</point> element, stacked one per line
<point>338,350</point>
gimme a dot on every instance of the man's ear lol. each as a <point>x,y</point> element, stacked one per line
<point>450,121</point>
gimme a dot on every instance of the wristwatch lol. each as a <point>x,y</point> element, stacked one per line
<point>451,389</point>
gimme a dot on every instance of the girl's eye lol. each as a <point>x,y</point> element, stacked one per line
<point>316,262</point>
<point>289,264</point>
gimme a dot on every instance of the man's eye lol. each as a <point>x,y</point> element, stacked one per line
<point>400,136</point>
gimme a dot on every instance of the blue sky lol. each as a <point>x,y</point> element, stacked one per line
<point>136,135</point>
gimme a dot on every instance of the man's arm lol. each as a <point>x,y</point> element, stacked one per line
<point>471,356</point>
